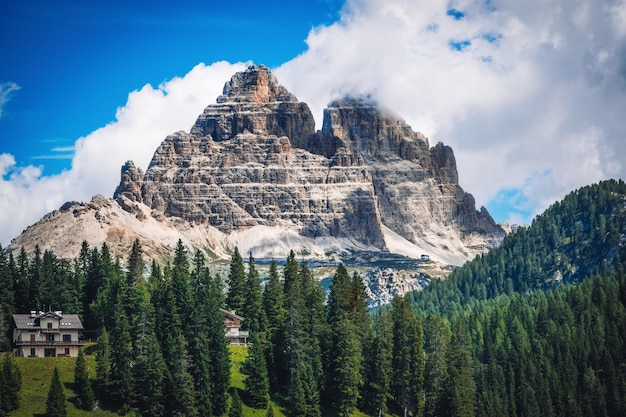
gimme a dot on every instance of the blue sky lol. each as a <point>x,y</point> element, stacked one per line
<point>76,61</point>
<point>530,95</point>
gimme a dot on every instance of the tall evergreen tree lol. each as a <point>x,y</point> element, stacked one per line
<point>252,310</point>
<point>120,379</point>
<point>347,364</point>
<point>236,406</point>
<point>408,357</point>
<point>274,306</point>
<point>183,402</point>
<point>10,384</point>
<point>85,397</point>
<point>218,346</point>
<point>135,264</point>
<point>55,405</point>
<point>378,364</point>
<point>257,382</point>
<point>459,388</point>
<point>236,298</point>
<point>436,335</point>
<point>103,363</point>
<point>149,369</point>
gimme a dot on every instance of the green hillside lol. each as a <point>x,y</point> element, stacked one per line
<point>576,238</point>
<point>36,377</point>
<point>37,373</point>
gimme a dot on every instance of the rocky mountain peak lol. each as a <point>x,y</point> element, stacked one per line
<point>253,172</point>
<point>253,101</point>
<point>255,85</point>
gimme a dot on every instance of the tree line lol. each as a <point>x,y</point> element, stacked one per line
<point>533,328</point>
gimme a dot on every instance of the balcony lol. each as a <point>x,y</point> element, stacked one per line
<point>49,343</point>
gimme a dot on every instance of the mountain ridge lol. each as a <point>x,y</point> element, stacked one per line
<point>253,172</point>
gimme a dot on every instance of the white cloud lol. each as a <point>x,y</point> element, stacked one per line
<point>5,94</point>
<point>534,102</point>
<point>149,115</point>
<point>530,95</point>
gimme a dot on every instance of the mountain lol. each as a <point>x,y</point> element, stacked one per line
<point>253,172</point>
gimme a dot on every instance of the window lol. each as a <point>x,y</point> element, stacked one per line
<point>67,351</point>
<point>50,338</point>
<point>67,337</point>
<point>49,325</point>
<point>32,337</point>
<point>33,352</point>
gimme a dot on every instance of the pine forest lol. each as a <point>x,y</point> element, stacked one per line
<point>535,327</point>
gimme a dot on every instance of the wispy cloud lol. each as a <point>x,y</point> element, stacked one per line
<point>6,89</point>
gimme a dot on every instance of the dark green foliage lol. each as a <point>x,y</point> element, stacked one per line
<point>437,336</point>
<point>55,405</point>
<point>257,382</point>
<point>85,397</point>
<point>379,366</point>
<point>274,306</point>
<point>237,279</point>
<point>236,406</point>
<point>408,358</point>
<point>149,379</point>
<point>103,362</point>
<point>10,384</point>
<point>255,319</point>
<point>573,239</point>
<point>347,364</point>
<point>458,389</point>
<point>350,329</point>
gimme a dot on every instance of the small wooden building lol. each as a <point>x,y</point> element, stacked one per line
<point>232,324</point>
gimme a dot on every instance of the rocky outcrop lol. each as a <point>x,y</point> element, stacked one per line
<point>253,101</point>
<point>253,172</point>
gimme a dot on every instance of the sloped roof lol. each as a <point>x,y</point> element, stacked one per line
<point>231,314</point>
<point>27,322</point>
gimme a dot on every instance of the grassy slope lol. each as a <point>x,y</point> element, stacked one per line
<point>36,377</point>
<point>37,374</point>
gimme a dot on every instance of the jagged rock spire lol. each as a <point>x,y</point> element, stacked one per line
<point>255,85</point>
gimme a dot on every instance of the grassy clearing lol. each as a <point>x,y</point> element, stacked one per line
<point>36,377</point>
<point>37,374</point>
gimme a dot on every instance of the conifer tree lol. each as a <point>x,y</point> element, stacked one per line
<point>347,364</point>
<point>180,281</point>
<point>379,366</point>
<point>236,297</point>
<point>252,310</point>
<point>149,369</point>
<point>55,405</point>
<point>256,383</point>
<point>218,346</point>
<point>436,335</point>
<point>82,385</point>
<point>236,406</point>
<point>135,264</point>
<point>274,306</point>
<point>149,379</point>
<point>103,363</point>
<point>183,399</point>
<point>408,357</point>
<point>120,379</point>
<point>10,384</point>
<point>459,388</point>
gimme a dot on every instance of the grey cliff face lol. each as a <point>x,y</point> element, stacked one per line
<point>253,101</point>
<point>254,159</point>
